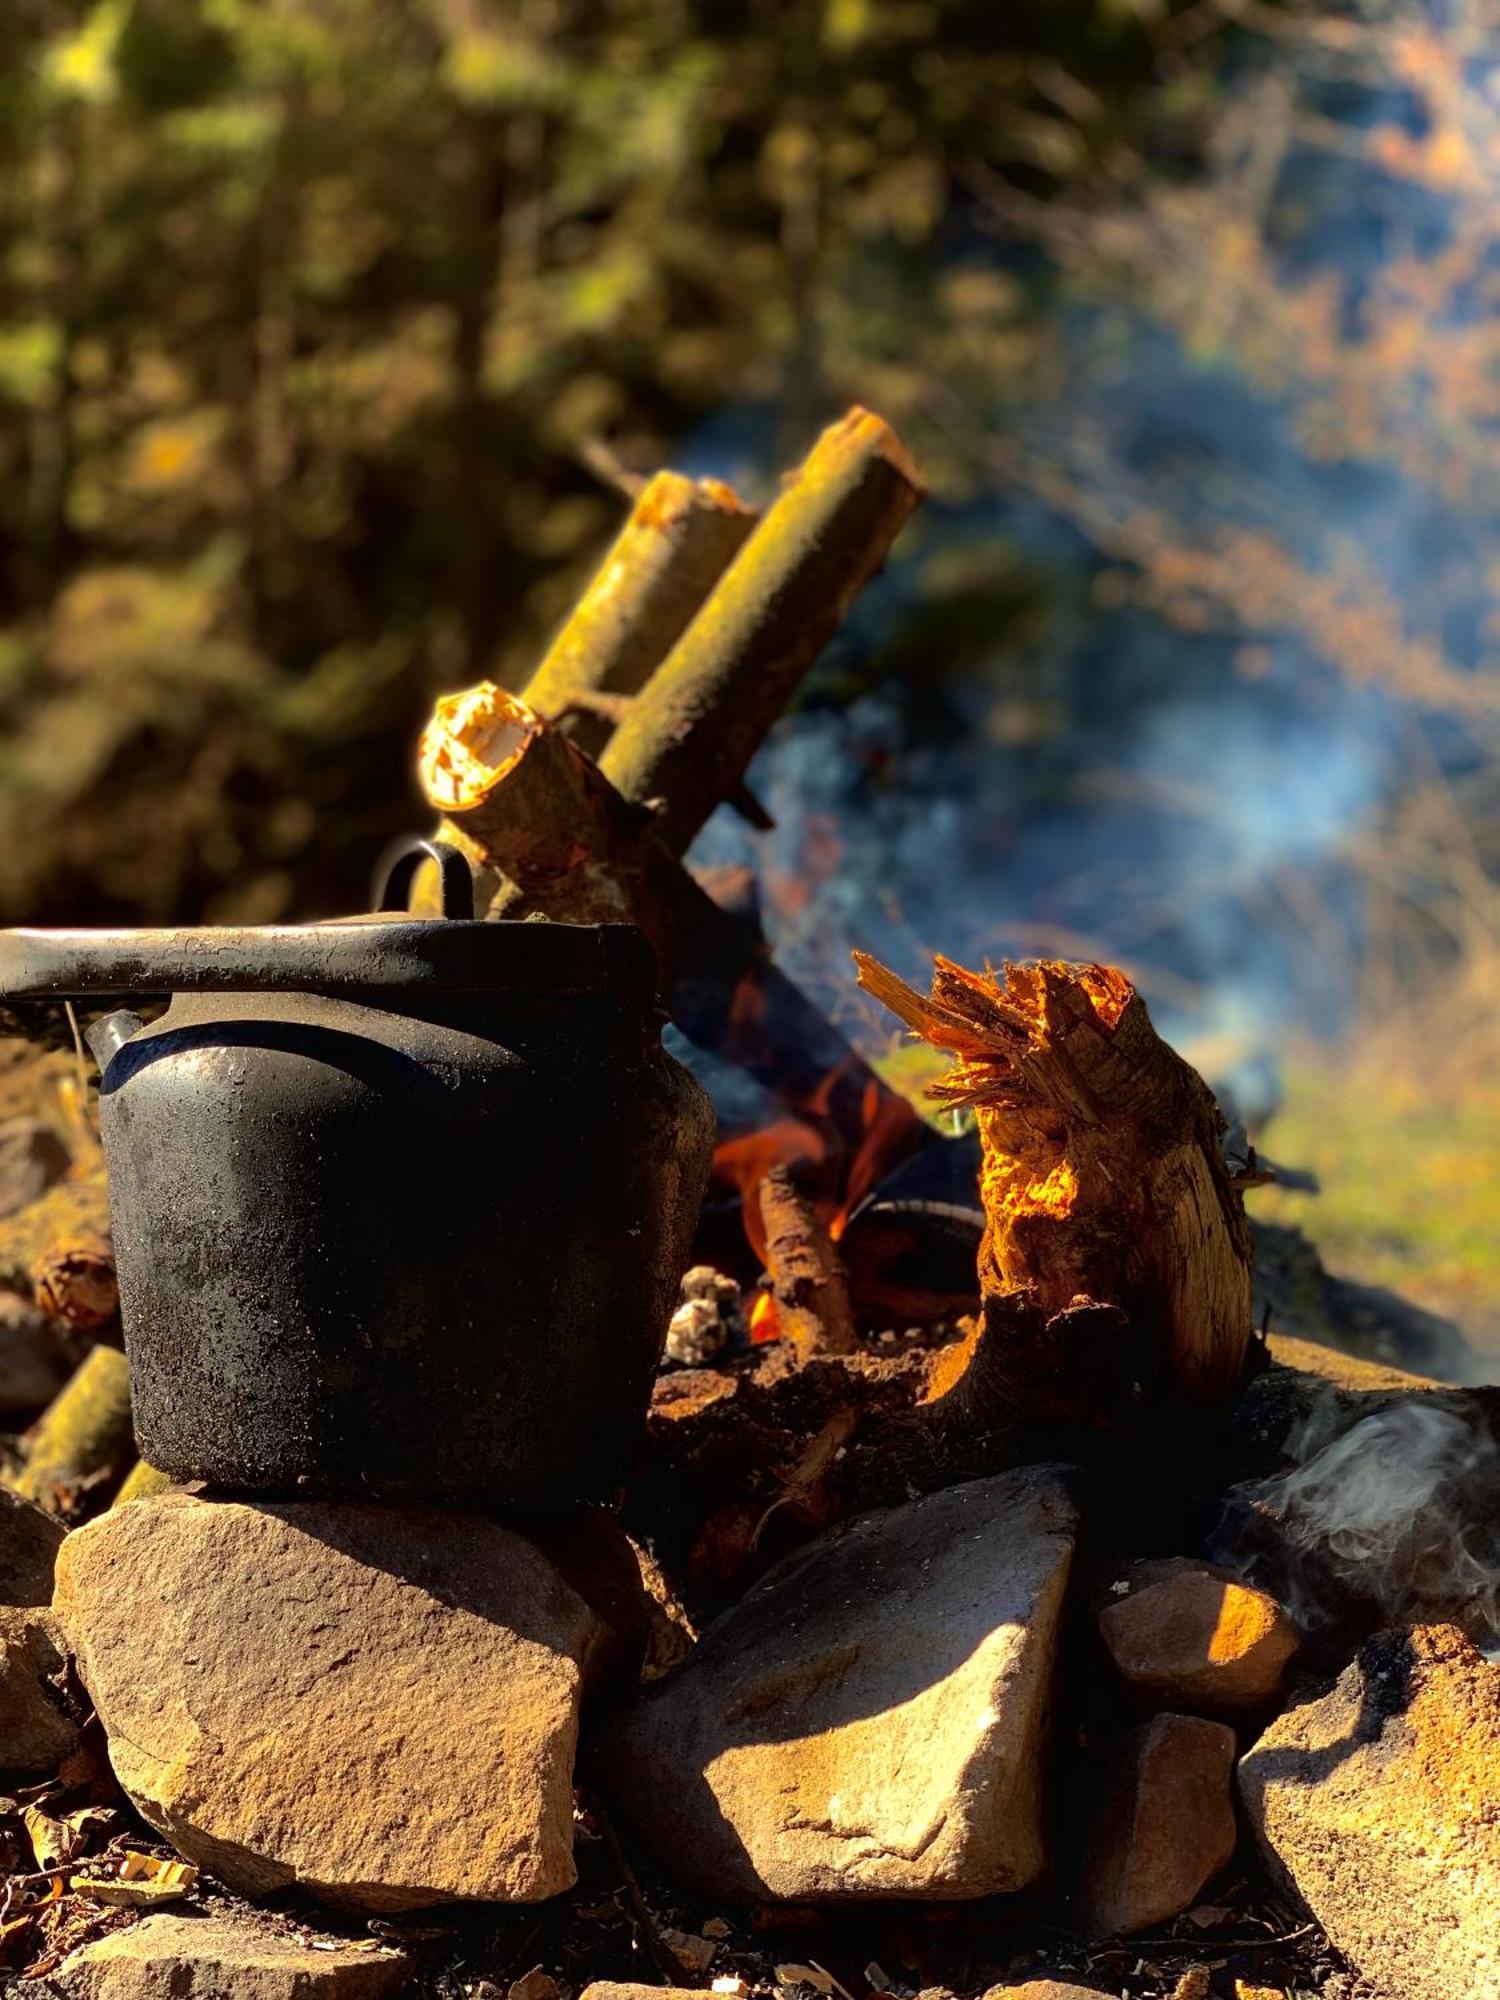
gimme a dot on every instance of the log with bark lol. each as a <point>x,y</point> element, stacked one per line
<point>549,835</point>
<point>82,1443</point>
<point>1115,1265</point>
<point>688,737</point>
<point>679,539</point>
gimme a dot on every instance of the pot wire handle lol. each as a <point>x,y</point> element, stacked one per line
<point>397,872</point>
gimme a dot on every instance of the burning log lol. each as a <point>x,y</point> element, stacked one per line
<point>83,1438</point>
<point>681,536</point>
<point>688,737</point>
<point>807,1279</point>
<point>1113,1226</point>
<point>548,835</point>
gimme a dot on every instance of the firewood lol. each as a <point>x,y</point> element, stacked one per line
<point>1113,1225</point>
<point>548,835</point>
<point>142,1482</point>
<point>679,539</point>
<point>543,830</point>
<point>691,732</point>
<point>807,1278</point>
<point>83,1439</point>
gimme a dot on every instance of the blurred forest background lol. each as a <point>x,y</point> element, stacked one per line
<point>323,322</point>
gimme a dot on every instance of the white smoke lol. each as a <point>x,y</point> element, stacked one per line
<point>1399,1513</point>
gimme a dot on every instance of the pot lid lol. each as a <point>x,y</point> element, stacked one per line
<point>388,951</point>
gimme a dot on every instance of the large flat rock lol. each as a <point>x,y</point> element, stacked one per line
<point>379,1705</point>
<point>1381,1802</point>
<point>233,1955</point>
<point>871,1719</point>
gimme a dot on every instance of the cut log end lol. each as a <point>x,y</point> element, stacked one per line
<point>471,744</point>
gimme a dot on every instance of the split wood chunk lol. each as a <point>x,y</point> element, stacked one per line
<point>689,735</point>
<point>680,537</point>
<point>807,1277</point>
<point>1112,1220</point>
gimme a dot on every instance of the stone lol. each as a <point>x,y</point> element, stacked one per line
<point>625,1989</point>
<point>171,1955</point>
<point>870,1720</point>
<point>36,1734</point>
<point>32,1159</point>
<point>29,1542</point>
<point>377,1704</point>
<point>1187,1637</point>
<point>1376,1799</point>
<point>33,1366</point>
<point>1165,1827</point>
<point>1045,1989</point>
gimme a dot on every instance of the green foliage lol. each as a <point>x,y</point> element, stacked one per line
<point>309,312</point>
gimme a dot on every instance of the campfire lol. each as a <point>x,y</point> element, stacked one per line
<point>484,1529</point>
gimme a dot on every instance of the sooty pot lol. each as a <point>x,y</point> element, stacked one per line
<point>399,1204</point>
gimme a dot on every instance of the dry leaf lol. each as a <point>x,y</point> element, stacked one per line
<point>716,1927</point>
<point>54,1842</point>
<point>533,1985</point>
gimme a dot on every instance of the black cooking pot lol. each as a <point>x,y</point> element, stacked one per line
<point>399,1204</point>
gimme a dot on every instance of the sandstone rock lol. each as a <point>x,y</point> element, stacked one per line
<point>870,1719</point>
<point>1377,1799</point>
<point>32,1159</point>
<point>178,1956</point>
<point>625,1989</point>
<point>29,1542</point>
<point>1165,1828</point>
<point>35,1733</point>
<point>378,1704</point>
<point>33,1366</point>
<point>1045,1989</point>
<point>1190,1638</point>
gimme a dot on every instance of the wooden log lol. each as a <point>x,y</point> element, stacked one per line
<point>807,1278</point>
<point>679,539</point>
<point>83,1439</point>
<point>542,829</point>
<point>1110,1213</point>
<point>690,734</point>
<point>548,835</point>
<point>142,1482</point>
